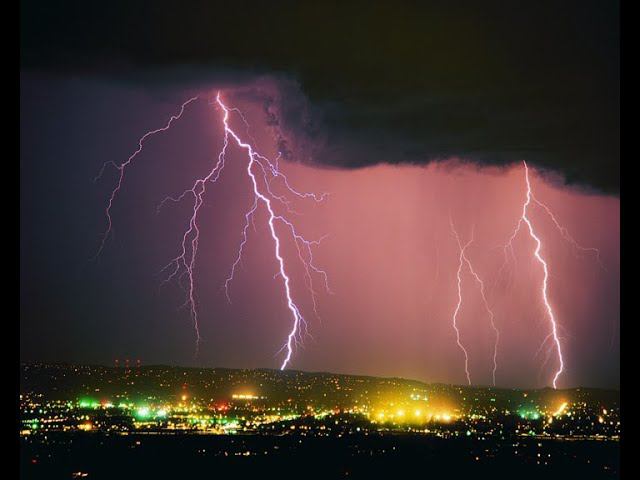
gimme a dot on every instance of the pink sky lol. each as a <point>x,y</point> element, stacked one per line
<point>392,260</point>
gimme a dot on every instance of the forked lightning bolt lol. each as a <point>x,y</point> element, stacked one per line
<point>262,172</point>
<point>565,233</point>
<point>464,259</point>
<point>123,166</point>
<point>461,257</point>
<point>524,218</point>
<point>255,159</point>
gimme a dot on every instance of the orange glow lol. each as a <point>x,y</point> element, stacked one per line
<point>560,409</point>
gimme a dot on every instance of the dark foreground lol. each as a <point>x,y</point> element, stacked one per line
<point>148,456</point>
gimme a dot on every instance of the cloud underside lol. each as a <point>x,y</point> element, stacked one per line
<point>359,84</point>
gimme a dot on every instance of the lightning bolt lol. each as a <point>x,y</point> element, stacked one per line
<point>464,259</point>
<point>123,167</point>
<point>491,318</point>
<point>254,159</point>
<point>524,218</point>
<point>461,262</point>
<point>191,237</point>
<point>564,232</point>
<point>262,173</point>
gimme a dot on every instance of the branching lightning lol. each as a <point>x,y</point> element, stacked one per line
<point>464,260</point>
<point>123,166</point>
<point>565,233</point>
<point>267,181</point>
<point>461,262</point>
<point>524,218</point>
<point>262,172</point>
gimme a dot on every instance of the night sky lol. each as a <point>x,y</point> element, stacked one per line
<point>407,113</point>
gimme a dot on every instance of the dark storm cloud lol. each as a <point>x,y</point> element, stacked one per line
<point>492,82</point>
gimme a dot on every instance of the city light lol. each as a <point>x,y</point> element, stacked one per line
<point>291,406</point>
<point>560,409</point>
<point>143,412</point>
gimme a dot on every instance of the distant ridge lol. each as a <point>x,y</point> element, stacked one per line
<point>291,372</point>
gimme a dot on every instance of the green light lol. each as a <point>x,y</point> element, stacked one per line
<point>529,414</point>
<point>143,412</point>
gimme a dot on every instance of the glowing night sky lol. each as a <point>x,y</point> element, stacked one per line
<point>397,169</point>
